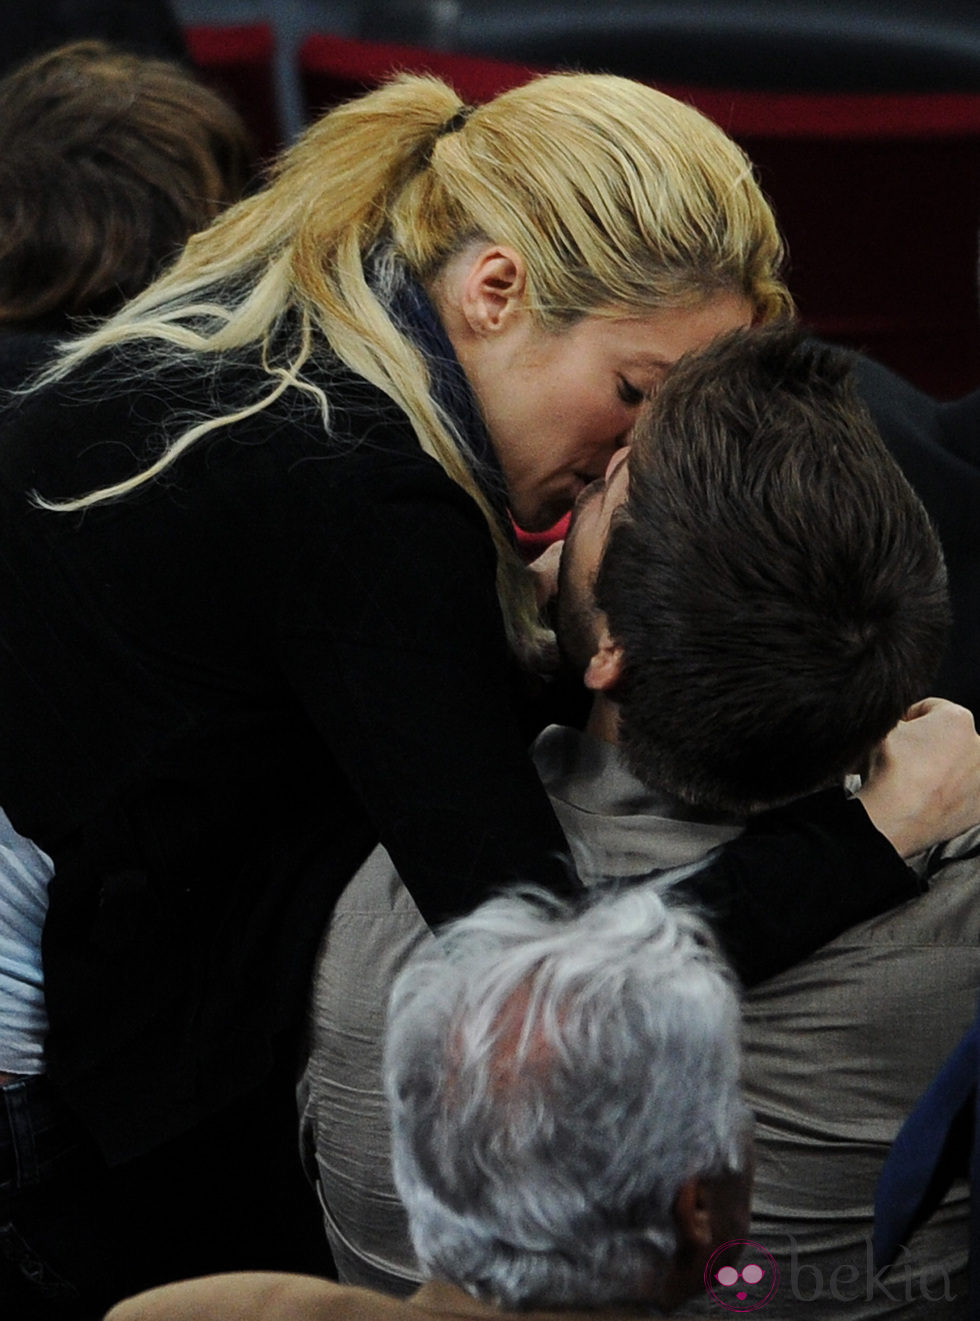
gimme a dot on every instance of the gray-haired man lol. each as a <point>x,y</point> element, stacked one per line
<point>568,1130</point>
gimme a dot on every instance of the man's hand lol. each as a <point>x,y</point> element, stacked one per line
<point>923,786</point>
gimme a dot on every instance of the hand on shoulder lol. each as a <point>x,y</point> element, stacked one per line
<point>923,785</point>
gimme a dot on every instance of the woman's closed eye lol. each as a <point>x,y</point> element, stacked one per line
<point>630,394</point>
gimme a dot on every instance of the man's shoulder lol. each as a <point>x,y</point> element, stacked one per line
<point>945,916</point>
<point>911,974</point>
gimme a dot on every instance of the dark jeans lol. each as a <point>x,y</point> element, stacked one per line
<point>76,1235</point>
<point>40,1150</point>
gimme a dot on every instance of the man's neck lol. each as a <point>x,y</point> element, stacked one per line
<point>603,724</point>
<point>603,721</point>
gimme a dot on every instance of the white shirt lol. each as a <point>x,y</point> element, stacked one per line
<point>24,875</point>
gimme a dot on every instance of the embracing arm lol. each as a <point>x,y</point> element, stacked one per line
<point>391,636</point>
<point>396,648</point>
<point>803,874</point>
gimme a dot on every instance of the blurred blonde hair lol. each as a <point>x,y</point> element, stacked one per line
<point>622,201</point>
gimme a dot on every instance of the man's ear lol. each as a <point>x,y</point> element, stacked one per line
<point>697,1239</point>
<point>693,1214</point>
<point>710,1211</point>
<point>605,669</point>
<point>493,289</point>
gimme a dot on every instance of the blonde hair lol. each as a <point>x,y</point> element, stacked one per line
<point>620,199</point>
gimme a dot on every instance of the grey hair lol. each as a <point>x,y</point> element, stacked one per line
<point>554,1077</point>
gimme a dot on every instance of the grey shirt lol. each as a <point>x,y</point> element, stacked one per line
<point>614,827</point>
<point>837,1049</point>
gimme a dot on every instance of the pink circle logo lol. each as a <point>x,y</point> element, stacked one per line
<point>744,1290</point>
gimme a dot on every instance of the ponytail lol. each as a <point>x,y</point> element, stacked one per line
<point>617,196</point>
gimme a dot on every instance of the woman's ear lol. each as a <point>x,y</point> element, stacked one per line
<point>493,289</point>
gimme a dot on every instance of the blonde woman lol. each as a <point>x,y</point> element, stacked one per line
<point>262,608</point>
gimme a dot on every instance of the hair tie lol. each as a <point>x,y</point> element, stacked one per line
<point>452,125</point>
<point>456,123</point>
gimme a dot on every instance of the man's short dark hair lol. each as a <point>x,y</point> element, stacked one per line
<point>109,162</point>
<point>773,580</point>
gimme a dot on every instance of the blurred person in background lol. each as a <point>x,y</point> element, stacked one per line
<point>145,27</point>
<point>109,162</point>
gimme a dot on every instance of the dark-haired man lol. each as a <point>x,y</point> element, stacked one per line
<point>754,595</point>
